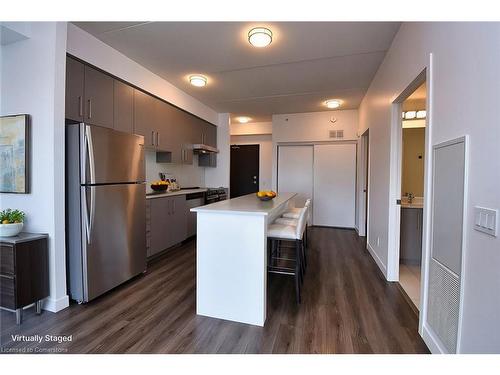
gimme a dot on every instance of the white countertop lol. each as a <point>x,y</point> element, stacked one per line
<point>173,193</point>
<point>247,204</point>
<point>417,202</point>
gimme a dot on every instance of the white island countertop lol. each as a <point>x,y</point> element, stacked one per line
<point>247,205</point>
<point>231,257</point>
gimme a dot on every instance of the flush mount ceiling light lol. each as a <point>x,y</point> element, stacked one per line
<point>198,80</point>
<point>260,37</point>
<point>333,103</point>
<point>243,119</point>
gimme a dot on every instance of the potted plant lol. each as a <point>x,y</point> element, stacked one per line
<point>11,222</point>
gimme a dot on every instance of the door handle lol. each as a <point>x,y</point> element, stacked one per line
<point>398,202</point>
<point>90,108</point>
<point>80,106</point>
<point>91,162</point>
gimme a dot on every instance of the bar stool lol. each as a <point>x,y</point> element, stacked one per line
<point>290,217</point>
<point>277,233</point>
<point>294,212</point>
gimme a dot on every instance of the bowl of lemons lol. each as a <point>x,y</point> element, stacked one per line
<point>266,195</point>
<point>159,185</point>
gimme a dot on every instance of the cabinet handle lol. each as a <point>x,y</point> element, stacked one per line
<point>157,138</point>
<point>90,108</point>
<point>152,138</point>
<point>80,106</point>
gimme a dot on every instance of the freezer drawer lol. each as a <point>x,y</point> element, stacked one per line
<point>114,236</point>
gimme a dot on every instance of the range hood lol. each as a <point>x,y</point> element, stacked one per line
<point>200,148</point>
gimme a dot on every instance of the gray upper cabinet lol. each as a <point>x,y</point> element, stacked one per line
<point>210,135</point>
<point>170,138</point>
<point>123,108</point>
<point>98,98</point>
<point>74,89</point>
<point>145,117</point>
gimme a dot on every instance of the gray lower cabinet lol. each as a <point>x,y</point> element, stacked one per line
<point>167,223</point>
<point>411,236</point>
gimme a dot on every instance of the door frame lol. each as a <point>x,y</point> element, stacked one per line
<point>426,75</point>
<point>258,159</point>
<point>364,181</point>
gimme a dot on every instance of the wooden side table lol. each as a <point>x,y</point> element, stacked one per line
<point>24,272</point>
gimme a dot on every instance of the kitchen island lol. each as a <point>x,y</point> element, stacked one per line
<point>231,261</point>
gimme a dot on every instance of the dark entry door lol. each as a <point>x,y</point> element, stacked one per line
<point>244,170</point>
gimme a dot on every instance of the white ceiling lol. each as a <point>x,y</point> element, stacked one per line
<point>307,62</point>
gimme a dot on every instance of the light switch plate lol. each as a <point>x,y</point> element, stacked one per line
<point>486,220</point>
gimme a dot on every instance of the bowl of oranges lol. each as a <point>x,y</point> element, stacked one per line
<point>266,195</point>
<point>159,185</point>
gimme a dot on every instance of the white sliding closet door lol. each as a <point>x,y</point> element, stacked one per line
<point>334,185</point>
<point>295,172</point>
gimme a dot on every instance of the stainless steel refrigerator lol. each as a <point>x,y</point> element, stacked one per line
<point>105,209</point>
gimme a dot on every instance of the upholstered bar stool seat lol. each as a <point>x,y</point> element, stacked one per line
<point>286,221</point>
<point>294,212</point>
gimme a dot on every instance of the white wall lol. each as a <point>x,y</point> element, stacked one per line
<point>219,176</point>
<point>314,126</point>
<point>311,127</point>
<point>186,175</point>
<point>251,128</point>
<point>265,155</point>
<point>464,98</point>
<point>33,82</point>
<point>90,49</point>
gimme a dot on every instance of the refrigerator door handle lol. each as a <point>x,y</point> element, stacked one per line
<point>85,213</point>
<point>91,163</point>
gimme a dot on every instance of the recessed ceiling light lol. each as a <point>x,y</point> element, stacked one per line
<point>333,103</point>
<point>260,37</point>
<point>198,80</point>
<point>243,119</point>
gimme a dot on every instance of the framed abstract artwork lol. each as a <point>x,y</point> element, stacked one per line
<point>14,154</point>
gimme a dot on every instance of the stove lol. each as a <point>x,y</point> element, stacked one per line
<point>215,195</point>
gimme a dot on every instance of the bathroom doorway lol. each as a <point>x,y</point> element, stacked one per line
<point>413,114</point>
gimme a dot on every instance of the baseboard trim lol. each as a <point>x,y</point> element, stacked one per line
<point>55,305</point>
<point>432,342</point>
<point>379,262</point>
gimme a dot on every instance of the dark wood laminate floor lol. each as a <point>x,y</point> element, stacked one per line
<point>347,308</point>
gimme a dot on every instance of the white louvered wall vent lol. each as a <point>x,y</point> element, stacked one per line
<point>336,134</point>
<point>444,303</point>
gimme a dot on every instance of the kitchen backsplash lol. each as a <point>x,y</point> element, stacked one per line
<point>186,175</point>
